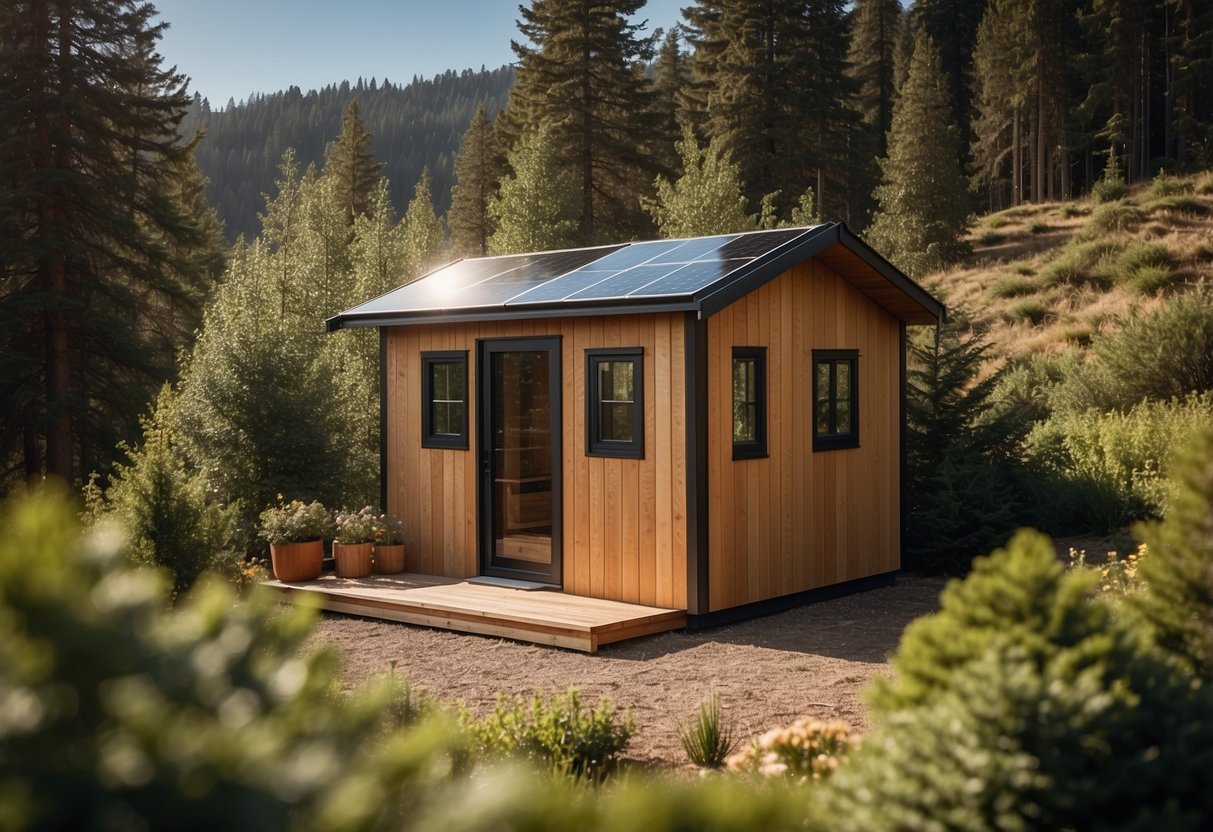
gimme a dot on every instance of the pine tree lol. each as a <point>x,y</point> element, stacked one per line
<point>350,162</point>
<point>477,169</point>
<point>671,85</point>
<point>873,48</point>
<point>952,26</point>
<point>422,231</point>
<point>707,199</point>
<point>104,266</point>
<point>578,79</point>
<point>536,208</point>
<point>922,197</point>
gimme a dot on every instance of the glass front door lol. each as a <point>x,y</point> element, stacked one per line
<point>520,459</point>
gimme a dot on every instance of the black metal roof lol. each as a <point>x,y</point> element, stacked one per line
<point>701,274</point>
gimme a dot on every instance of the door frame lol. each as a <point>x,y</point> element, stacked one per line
<point>485,348</point>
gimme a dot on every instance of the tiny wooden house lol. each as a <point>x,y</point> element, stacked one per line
<point>711,425</point>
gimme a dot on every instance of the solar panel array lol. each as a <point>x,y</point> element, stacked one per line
<point>649,270</point>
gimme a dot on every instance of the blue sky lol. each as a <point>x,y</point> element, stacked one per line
<point>231,48</point>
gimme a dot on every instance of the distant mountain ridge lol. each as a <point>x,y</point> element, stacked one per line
<point>416,125</point>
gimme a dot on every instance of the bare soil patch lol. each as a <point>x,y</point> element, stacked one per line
<point>811,661</point>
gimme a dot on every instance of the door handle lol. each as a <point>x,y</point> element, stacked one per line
<point>486,464</point>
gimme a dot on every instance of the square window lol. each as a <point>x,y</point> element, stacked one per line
<point>444,393</point>
<point>615,402</point>
<point>835,399</point>
<point>749,402</point>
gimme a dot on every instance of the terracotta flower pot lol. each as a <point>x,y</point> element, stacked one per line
<point>352,560</point>
<point>297,561</point>
<point>389,559</point>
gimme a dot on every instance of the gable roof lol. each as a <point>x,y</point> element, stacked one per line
<point>699,274</point>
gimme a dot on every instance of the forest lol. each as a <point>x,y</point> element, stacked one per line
<point>166,269</point>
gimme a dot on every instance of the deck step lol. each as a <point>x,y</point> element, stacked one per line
<point>553,617</point>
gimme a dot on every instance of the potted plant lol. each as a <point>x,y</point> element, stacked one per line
<point>296,532</point>
<point>389,545</point>
<point>353,544</point>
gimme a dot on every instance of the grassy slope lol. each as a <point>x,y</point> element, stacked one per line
<point>1046,278</point>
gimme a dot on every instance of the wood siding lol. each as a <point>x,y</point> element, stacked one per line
<point>799,520</point>
<point>624,519</point>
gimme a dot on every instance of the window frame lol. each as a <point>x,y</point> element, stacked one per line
<point>430,439</point>
<point>755,448</point>
<point>595,445</point>
<point>836,441</point>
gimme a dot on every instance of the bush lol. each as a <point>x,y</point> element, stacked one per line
<point>357,526</point>
<point>1032,310</point>
<point>1070,210</point>
<point>1100,471</point>
<point>708,740</point>
<point>1026,704</point>
<point>1038,227</point>
<point>1111,186</point>
<point>1165,185</point>
<point>1013,287</point>
<point>167,508</point>
<point>1166,354</point>
<point>991,238</point>
<point>1109,218</point>
<point>807,750</point>
<point>296,522</point>
<point>1145,267</point>
<point>561,736</point>
<point>1079,263</point>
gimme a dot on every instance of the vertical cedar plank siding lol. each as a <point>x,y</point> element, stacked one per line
<point>624,519</point>
<point>798,520</point>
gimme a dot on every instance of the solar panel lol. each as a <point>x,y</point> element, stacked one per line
<point>563,286</point>
<point>699,249</point>
<point>624,283</point>
<point>634,255</point>
<point>758,243</point>
<point>691,277</point>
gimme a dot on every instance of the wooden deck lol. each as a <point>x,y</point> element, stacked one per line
<point>542,617</point>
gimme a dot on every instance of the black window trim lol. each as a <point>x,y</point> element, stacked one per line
<point>837,441</point>
<point>757,447</point>
<point>595,445</point>
<point>429,439</point>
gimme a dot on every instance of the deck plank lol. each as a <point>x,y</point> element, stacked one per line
<point>543,617</point>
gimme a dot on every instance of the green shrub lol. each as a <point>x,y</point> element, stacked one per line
<point>166,507</point>
<point>708,739</point>
<point>1071,210</point>
<point>1111,186</point>
<point>1176,204</point>
<point>991,238</point>
<point>1038,227</point>
<point>1164,355</point>
<point>562,736</point>
<point>1145,267</point>
<point>1204,183</point>
<point>1012,287</point>
<point>1022,267</point>
<point>296,522</point>
<point>1165,185</point>
<point>1026,704</point>
<point>1080,262</point>
<point>1112,217</point>
<point>1178,571</point>
<point>1099,471</point>
<point>996,220</point>
<point>1032,310</point>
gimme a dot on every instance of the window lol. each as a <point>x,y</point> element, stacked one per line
<point>835,399</point>
<point>749,402</point>
<point>614,392</point>
<point>444,395</point>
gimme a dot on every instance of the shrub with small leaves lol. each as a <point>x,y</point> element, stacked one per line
<point>708,740</point>
<point>806,750</point>
<point>561,735</point>
<point>296,522</point>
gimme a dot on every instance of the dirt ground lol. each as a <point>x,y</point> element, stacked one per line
<point>811,661</point>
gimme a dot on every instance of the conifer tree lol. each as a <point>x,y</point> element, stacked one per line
<point>922,196</point>
<point>103,264</point>
<point>706,199</point>
<point>536,208</point>
<point>952,26</point>
<point>577,78</point>
<point>422,230</point>
<point>671,84</point>
<point>350,162</point>
<point>872,53</point>
<point>477,169</point>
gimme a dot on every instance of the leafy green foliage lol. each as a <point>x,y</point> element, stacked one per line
<point>961,495</point>
<point>1102,470</point>
<point>1025,703</point>
<point>1178,571</point>
<point>708,739</point>
<point>166,508</point>
<point>562,736</point>
<point>707,199</point>
<point>537,207</point>
<point>922,196</point>
<point>477,169</point>
<point>422,232</point>
<point>349,163</point>
<point>296,522</point>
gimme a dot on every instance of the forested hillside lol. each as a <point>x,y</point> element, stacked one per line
<point>414,125</point>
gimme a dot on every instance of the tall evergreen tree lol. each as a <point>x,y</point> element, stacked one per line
<point>671,85</point>
<point>923,209</point>
<point>706,199</point>
<point>537,207</point>
<point>577,78</point>
<point>477,169</point>
<point>874,35</point>
<point>422,231</point>
<point>103,264</point>
<point>952,25</point>
<point>350,163</point>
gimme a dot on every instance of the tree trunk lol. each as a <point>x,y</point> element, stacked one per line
<point>1039,173</point>
<point>1016,161</point>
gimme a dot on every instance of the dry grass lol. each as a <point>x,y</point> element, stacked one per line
<point>1047,278</point>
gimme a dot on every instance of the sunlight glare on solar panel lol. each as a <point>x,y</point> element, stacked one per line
<point>691,278</point>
